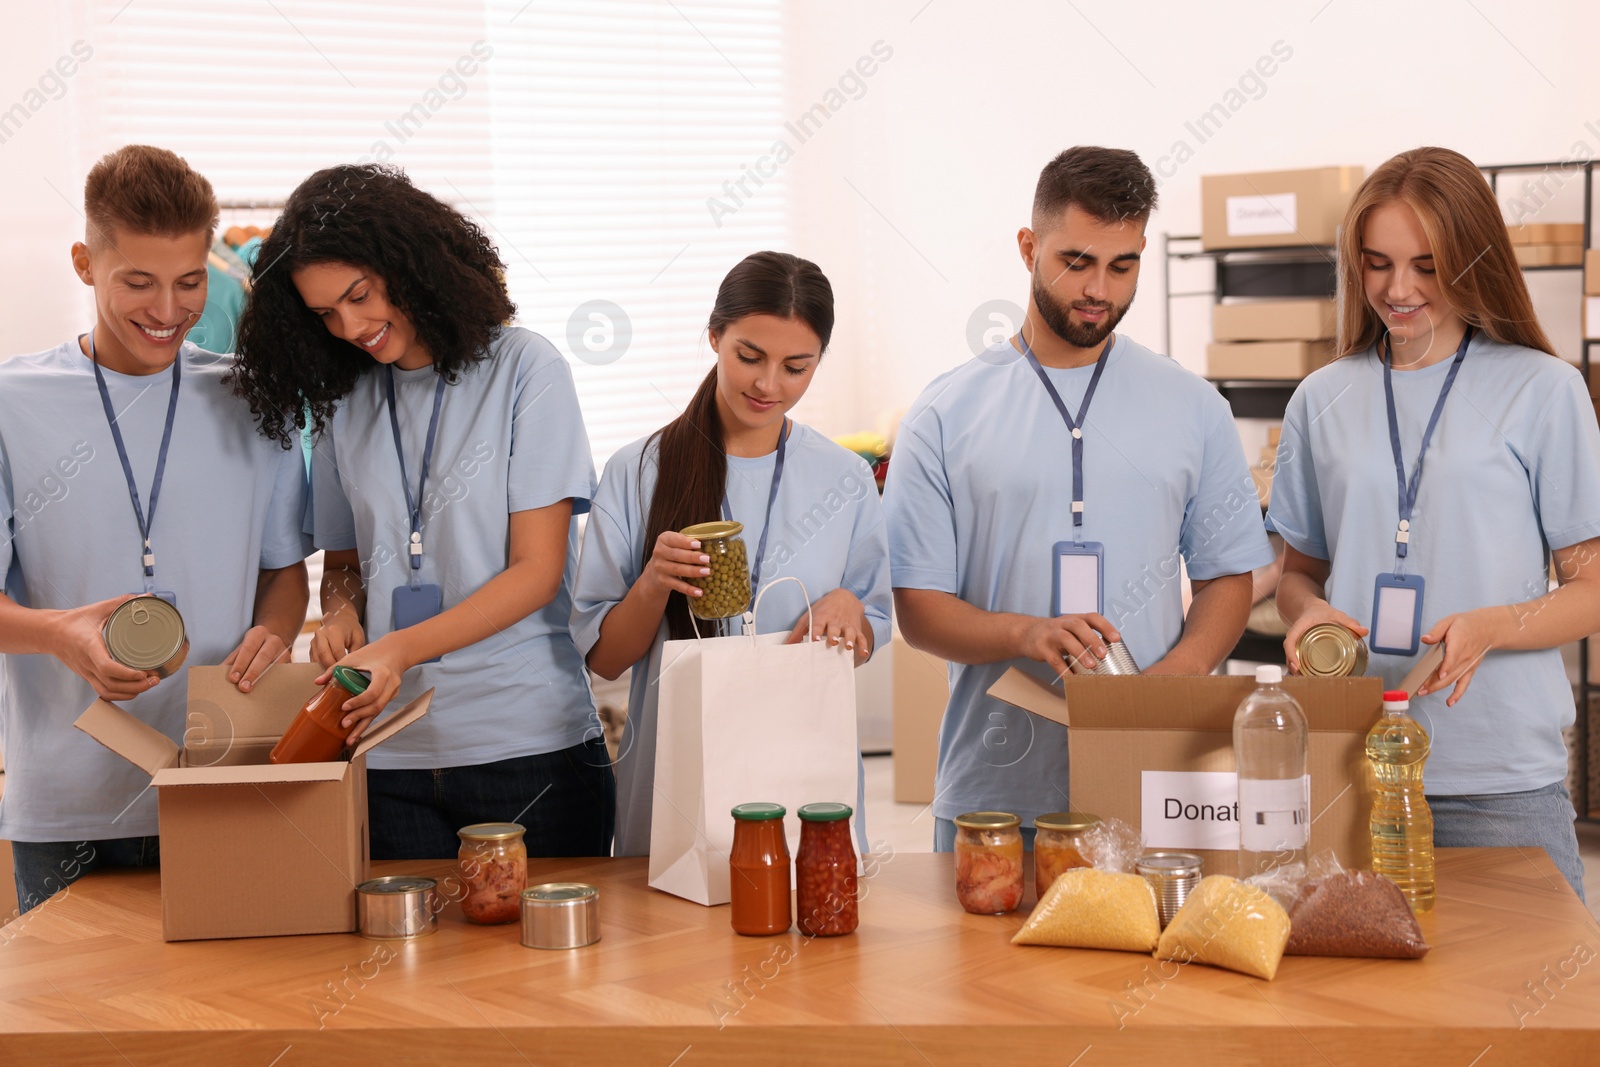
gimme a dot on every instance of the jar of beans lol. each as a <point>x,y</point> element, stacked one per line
<point>825,871</point>
<point>989,862</point>
<point>1058,846</point>
<point>726,590</point>
<point>494,868</point>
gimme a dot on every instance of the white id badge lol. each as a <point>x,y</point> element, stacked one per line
<point>1079,570</point>
<point>1396,615</point>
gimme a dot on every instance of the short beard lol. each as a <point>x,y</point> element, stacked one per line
<point>1056,316</point>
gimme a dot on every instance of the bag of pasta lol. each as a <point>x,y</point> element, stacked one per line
<point>1227,923</point>
<point>1090,908</point>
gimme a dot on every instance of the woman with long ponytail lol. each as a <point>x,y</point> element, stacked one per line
<point>733,450</point>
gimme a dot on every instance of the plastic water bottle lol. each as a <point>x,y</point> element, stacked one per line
<point>1402,825</point>
<point>1270,749</point>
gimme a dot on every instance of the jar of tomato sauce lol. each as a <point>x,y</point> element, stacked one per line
<point>825,872</point>
<point>758,870</point>
<point>1058,846</point>
<point>315,735</point>
<point>494,870</point>
<point>989,862</point>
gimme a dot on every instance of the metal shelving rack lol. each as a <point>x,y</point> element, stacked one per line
<point>1311,271</point>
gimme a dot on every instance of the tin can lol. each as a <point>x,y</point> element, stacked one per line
<point>725,592</point>
<point>147,634</point>
<point>1173,875</point>
<point>560,915</point>
<point>1329,650</point>
<point>1118,660</point>
<point>396,907</point>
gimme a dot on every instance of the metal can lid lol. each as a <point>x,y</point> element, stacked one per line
<point>713,531</point>
<point>759,812</point>
<point>1069,821</point>
<point>1328,650</point>
<point>557,893</point>
<point>396,883</point>
<point>988,820</point>
<point>1172,864</point>
<point>490,831</point>
<point>144,633</point>
<point>824,812</point>
<point>354,681</point>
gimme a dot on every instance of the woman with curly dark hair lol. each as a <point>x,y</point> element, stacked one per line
<point>450,458</point>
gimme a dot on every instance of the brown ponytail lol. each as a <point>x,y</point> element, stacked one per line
<point>691,455</point>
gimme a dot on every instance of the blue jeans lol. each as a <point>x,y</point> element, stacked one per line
<point>567,800</point>
<point>1539,818</point>
<point>44,868</point>
<point>944,836</point>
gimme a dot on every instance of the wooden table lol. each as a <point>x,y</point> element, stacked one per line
<point>87,979</point>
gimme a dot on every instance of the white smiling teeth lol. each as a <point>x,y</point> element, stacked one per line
<point>1399,310</point>
<point>374,342</point>
<point>160,335</point>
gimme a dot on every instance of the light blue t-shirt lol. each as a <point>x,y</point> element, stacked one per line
<point>827,530</point>
<point>231,504</point>
<point>980,491</point>
<point>1512,472</point>
<point>511,438</point>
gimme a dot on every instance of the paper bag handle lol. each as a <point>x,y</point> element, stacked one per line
<point>750,616</point>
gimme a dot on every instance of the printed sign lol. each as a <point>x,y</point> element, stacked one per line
<point>1260,216</point>
<point>1189,809</point>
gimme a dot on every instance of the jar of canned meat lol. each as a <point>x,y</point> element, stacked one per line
<point>989,862</point>
<point>494,870</point>
<point>825,871</point>
<point>726,590</point>
<point>758,870</point>
<point>1057,846</point>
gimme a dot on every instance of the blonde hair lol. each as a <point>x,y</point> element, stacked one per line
<point>144,190</point>
<point>1473,262</point>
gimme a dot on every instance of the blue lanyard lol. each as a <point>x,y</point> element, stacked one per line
<point>1408,490</point>
<point>1075,425</point>
<point>145,521</point>
<point>414,503</point>
<point>766,524</point>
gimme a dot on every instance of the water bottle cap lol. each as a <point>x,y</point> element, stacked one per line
<point>1269,674</point>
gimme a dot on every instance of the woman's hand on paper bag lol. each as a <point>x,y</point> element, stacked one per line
<point>1316,613</point>
<point>837,618</point>
<point>1468,637</point>
<point>79,643</point>
<point>385,664</point>
<point>1076,637</point>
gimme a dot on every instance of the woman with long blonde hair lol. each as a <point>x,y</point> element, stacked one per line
<point>1442,359</point>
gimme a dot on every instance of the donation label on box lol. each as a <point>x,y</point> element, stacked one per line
<point>1189,809</point>
<point>1254,216</point>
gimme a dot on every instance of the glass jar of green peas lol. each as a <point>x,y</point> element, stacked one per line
<point>727,587</point>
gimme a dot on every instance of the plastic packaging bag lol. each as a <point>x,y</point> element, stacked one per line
<point>1113,845</point>
<point>1089,908</point>
<point>1335,912</point>
<point>1227,923</point>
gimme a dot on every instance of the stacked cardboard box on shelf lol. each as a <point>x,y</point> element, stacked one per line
<point>1547,244</point>
<point>1270,339</point>
<point>1270,209</point>
<point>1591,293</point>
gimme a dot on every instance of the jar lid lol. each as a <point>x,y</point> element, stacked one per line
<point>1179,864</point>
<point>397,883</point>
<point>144,633</point>
<point>824,812</point>
<point>1069,821</point>
<point>490,831</point>
<point>988,820</point>
<point>351,679</point>
<point>759,812</point>
<point>559,892</point>
<point>713,531</point>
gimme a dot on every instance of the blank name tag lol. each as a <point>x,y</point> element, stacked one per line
<point>412,606</point>
<point>1396,615</point>
<point>1079,578</point>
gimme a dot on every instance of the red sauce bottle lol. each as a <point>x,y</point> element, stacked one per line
<point>315,735</point>
<point>825,871</point>
<point>758,870</point>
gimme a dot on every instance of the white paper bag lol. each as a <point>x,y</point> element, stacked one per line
<point>744,719</point>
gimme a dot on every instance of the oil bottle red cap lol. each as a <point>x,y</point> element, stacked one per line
<point>1391,696</point>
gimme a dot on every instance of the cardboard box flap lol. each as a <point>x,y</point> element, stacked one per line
<point>129,737</point>
<point>221,716</point>
<point>393,724</point>
<point>1168,702</point>
<point>246,773</point>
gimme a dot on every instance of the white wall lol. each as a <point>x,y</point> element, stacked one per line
<point>949,137</point>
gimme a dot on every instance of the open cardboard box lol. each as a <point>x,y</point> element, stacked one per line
<point>1144,746</point>
<point>250,849</point>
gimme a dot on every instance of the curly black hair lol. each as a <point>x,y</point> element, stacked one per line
<point>441,270</point>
